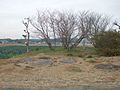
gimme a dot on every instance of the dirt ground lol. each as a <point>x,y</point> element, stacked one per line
<point>22,72</point>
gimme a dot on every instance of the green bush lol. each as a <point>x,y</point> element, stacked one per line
<point>108,43</point>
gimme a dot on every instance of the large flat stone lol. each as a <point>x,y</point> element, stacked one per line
<point>26,60</point>
<point>68,61</point>
<point>107,66</point>
<point>43,62</point>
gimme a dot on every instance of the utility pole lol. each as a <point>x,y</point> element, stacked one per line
<point>26,22</point>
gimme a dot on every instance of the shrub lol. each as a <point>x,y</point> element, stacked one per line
<point>89,56</point>
<point>69,54</point>
<point>108,43</point>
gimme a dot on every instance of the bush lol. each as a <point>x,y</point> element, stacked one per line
<point>108,43</point>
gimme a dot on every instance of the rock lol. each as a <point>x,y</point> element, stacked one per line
<point>43,62</point>
<point>107,66</point>
<point>26,60</point>
<point>68,61</point>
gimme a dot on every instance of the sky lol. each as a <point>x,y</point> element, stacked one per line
<point>12,12</point>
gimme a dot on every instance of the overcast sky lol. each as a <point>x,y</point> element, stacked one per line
<point>13,11</point>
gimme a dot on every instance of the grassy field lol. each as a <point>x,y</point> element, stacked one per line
<point>12,51</point>
<point>16,51</point>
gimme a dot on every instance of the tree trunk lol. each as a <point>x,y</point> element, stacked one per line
<point>77,42</point>
<point>49,44</point>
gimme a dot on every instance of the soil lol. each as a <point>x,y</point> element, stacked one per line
<point>27,73</point>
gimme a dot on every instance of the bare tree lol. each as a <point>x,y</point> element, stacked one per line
<point>100,23</point>
<point>70,28</point>
<point>42,26</point>
<point>65,28</point>
<point>115,23</point>
<point>52,17</point>
<point>73,28</point>
<point>83,26</point>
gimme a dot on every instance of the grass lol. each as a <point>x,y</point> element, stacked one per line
<point>20,51</point>
<point>81,52</point>
<point>91,60</point>
<point>13,51</point>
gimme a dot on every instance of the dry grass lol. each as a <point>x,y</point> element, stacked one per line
<point>74,68</point>
<point>80,73</point>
